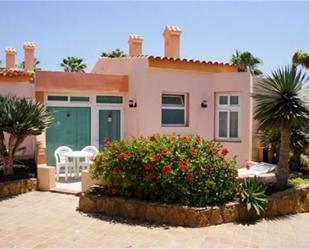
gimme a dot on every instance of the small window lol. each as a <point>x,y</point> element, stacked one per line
<point>109,99</point>
<point>57,98</point>
<point>173,110</point>
<point>79,99</point>
<point>223,100</point>
<point>172,100</point>
<point>234,100</point>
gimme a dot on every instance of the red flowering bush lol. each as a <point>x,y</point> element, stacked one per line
<point>168,168</point>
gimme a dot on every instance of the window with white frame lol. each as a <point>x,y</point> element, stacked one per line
<point>173,110</point>
<point>228,116</point>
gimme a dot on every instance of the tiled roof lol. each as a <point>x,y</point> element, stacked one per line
<point>182,63</point>
<point>163,58</point>
<point>189,60</point>
<point>16,72</point>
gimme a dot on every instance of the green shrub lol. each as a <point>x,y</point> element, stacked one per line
<point>253,193</point>
<point>169,169</point>
<point>297,182</point>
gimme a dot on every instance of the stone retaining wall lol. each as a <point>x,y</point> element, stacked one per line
<point>287,202</point>
<point>17,187</point>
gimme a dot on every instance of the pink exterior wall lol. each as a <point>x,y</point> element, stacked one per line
<point>22,89</point>
<point>147,84</point>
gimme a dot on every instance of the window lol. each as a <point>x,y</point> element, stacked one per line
<point>57,98</point>
<point>173,110</point>
<point>228,117</point>
<point>80,99</point>
<point>109,99</point>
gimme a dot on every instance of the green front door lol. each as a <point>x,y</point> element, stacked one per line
<point>109,126</point>
<point>71,127</point>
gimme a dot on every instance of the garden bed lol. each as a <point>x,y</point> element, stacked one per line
<point>25,169</point>
<point>290,201</point>
<point>10,188</point>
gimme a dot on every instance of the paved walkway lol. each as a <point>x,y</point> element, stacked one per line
<point>50,220</point>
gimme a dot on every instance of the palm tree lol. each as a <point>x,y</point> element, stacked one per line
<point>19,118</point>
<point>114,54</point>
<point>246,62</point>
<point>280,105</point>
<point>301,58</point>
<point>73,64</point>
<point>35,66</point>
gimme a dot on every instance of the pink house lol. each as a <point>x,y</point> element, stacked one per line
<point>140,95</point>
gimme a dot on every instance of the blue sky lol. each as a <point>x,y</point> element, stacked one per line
<point>273,31</point>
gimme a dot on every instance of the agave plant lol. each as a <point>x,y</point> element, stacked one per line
<point>20,118</point>
<point>252,192</point>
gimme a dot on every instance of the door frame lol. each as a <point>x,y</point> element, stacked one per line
<point>94,110</point>
<point>109,107</point>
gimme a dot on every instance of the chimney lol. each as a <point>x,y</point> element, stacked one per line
<point>172,41</point>
<point>29,48</point>
<point>10,56</point>
<point>135,45</point>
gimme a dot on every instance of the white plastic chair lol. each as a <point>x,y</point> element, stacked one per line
<point>84,162</point>
<point>63,162</point>
<point>92,149</point>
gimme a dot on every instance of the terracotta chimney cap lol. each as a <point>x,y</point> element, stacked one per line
<point>10,50</point>
<point>136,38</point>
<point>29,45</point>
<point>172,29</point>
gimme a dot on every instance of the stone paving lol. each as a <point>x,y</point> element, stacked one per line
<point>50,220</point>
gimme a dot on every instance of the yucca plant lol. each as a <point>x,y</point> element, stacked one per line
<point>253,194</point>
<point>19,118</point>
<point>280,105</point>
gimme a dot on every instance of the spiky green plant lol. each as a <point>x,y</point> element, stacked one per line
<point>73,64</point>
<point>253,194</point>
<point>280,105</point>
<point>20,118</point>
<point>246,62</point>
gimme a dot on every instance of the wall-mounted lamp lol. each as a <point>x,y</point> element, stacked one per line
<point>204,104</point>
<point>132,103</point>
<point>109,118</point>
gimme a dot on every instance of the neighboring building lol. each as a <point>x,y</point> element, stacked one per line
<point>19,82</point>
<point>140,95</point>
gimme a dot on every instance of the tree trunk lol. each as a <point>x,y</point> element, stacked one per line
<point>8,160</point>
<point>282,172</point>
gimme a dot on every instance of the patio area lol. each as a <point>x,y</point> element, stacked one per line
<point>55,223</point>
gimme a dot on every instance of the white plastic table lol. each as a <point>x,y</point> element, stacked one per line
<point>76,155</point>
